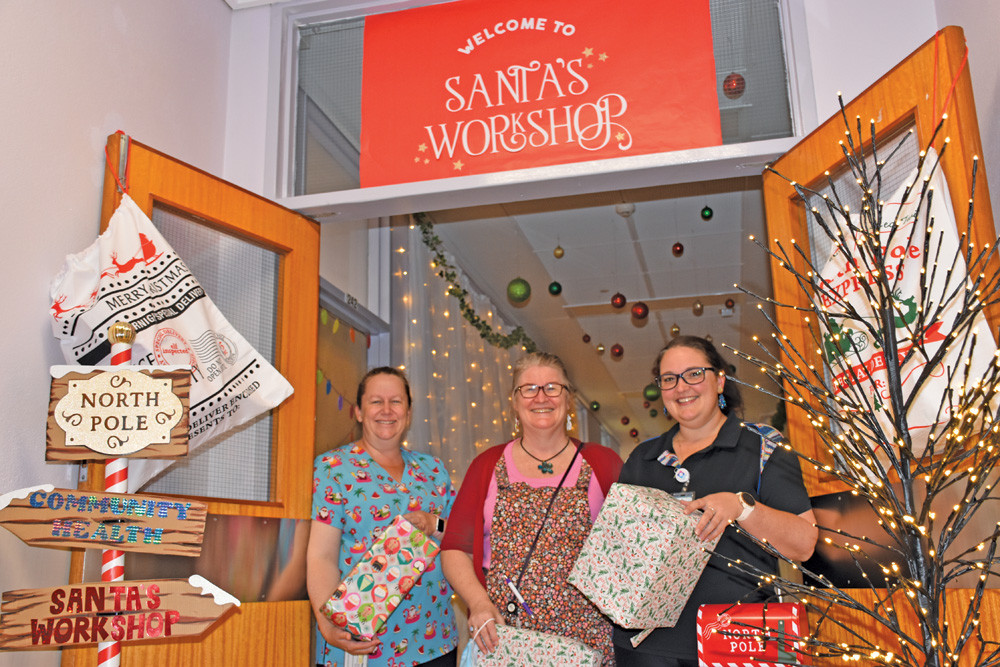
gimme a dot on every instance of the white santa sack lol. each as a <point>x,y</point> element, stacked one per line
<point>131,274</point>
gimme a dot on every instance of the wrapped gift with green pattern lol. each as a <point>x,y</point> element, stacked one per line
<point>642,558</point>
<point>518,647</point>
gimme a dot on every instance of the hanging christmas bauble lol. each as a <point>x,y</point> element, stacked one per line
<point>651,392</point>
<point>555,289</point>
<point>708,337</point>
<point>595,406</point>
<point>698,308</point>
<point>558,252</point>
<point>518,290</point>
<point>734,85</point>
<point>640,310</point>
<point>645,404</point>
<point>617,351</point>
<point>586,338</point>
<point>675,331</point>
<point>618,300</point>
<point>678,249</point>
<point>730,303</point>
<point>600,348</point>
<point>706,213</point>
<point>625,421</point>
<point>634,433</point>
<point>654,412</point>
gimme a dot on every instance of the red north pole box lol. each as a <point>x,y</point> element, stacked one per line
<point>762,634</point>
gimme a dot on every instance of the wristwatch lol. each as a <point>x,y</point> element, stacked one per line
<point>440,525</point>
<point>748,502</point>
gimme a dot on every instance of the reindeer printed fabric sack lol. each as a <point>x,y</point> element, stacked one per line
<point>641,559</point>
<point>131,274</point>
<point>366,598</point>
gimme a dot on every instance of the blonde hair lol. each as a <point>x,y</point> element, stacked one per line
<point>539,359</point>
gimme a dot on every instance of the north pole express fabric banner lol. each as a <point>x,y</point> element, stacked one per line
<point>858,363</point>
<point>479,86</point>
<point>130,273</point>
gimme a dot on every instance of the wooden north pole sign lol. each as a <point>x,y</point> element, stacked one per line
<point>100,412</point>
<point>122,611</point>
<point>43,516</point>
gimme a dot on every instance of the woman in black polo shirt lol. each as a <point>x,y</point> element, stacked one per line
<point>712,462</point>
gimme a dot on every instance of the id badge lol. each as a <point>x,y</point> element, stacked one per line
<point>685,496</point>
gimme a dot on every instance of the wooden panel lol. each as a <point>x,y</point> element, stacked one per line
<point>914,92</point>
<point>957,601</point>
<point>258,633</point>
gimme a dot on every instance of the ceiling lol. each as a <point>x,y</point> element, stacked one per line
<point>622,241</point>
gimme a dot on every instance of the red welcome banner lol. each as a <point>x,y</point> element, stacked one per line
<point>479,86</point>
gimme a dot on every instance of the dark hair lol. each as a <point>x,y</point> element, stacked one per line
<point>540,359</point>
<point>731,391</point>
<point>384,370</point>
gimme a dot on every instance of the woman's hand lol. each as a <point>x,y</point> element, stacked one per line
<point>720,509</point>
<point>425,522</point>
<point>342,639</point>
<point>483,621</point>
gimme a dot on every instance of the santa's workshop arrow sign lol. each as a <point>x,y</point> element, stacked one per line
<point>43,516</point>
<point>125,611</point>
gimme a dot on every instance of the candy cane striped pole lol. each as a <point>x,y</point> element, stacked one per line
<point>121,335</point>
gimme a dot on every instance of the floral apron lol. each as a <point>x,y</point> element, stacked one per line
<point>556,605</point>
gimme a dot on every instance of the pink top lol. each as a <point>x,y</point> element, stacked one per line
<point>594,493</point>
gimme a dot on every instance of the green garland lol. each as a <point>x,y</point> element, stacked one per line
<point>450,273</point>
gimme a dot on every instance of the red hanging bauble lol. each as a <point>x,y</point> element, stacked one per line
<point>645,404</point>
<point>634,433</point>
<point>640,310</point>
<point>734,85</point>
<point>586,338</point>
<point>618,300</point>
<point>617,351</point>
<point>678,249</point>
<point>625,421</point>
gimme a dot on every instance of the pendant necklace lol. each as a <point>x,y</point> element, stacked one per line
<point>543,464</point>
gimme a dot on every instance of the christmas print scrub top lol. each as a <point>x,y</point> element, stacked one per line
<point>355,494</point>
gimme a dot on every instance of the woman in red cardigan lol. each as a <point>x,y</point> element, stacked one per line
<point>523,513</point>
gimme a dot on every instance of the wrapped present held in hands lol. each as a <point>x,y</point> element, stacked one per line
<point>368,596</point>
<point>518,647</point>
<point>642,558</point>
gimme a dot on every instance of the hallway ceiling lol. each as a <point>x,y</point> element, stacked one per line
<point>622,241</point>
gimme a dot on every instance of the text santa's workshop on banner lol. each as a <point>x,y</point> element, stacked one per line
<point>478,86</point>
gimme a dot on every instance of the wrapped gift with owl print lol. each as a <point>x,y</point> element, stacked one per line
<point>642,559</point>
<point>517,647</point>
<point>368,596</point>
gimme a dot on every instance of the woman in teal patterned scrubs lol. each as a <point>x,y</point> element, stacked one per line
<point>357,490</point>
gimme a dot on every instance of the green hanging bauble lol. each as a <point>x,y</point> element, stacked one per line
<point>555,289</point>
<point>653,412</point>
<point>706,213</point>
<point>518,290</point>
<point>595,406</point>
<point>651,392</point>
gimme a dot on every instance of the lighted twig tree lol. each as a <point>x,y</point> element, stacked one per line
<point>901,387</point>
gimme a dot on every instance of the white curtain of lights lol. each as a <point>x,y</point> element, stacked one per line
<point>460,383</point>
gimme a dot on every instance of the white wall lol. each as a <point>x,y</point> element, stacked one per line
<point>74,72</point>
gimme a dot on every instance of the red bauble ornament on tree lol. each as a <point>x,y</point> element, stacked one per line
<point>640,310</point>
<point>734,85</point>
<point>617,351</point>
<point>618,300</point>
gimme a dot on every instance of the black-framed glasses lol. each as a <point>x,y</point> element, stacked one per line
<point>691,376</point>
<point>552,389</point>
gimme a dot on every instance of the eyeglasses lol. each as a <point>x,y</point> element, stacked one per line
<point>691,376</point>
<point>552,389</point>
